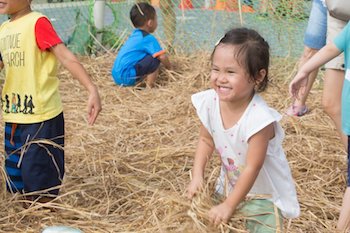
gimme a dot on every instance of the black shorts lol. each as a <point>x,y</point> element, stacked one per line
<point>35,156</point>
<point>146,65</point>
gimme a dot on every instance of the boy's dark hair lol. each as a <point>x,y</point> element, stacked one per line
<point>251,51</point>
<point>140,13</point>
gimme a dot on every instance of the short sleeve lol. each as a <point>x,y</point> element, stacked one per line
<point>153,47</point>
<point>46,36</point>
<point>204,103</point>
<point>260,116</point>
<point>343,38</point>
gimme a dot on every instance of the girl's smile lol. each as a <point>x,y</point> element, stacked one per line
<point>228,77</point>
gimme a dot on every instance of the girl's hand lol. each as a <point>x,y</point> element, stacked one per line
<point>220,213</point>
<point>194,187</point>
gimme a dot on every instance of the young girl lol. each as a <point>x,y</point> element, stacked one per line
<point>247,136</point>
<point>29,49</point>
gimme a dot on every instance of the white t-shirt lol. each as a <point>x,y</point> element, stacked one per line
<point>275,177</point>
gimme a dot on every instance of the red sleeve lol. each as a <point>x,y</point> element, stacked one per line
<point>46,36</point>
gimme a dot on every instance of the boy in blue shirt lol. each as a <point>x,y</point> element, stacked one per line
<point>139,58</point>
<point>340,44</point>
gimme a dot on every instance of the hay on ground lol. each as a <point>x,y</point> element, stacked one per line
<point>129,172</point>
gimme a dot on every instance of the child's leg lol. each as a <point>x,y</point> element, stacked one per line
<point>14,180</point>
<point>42,165</point>
<point>148,67</point>
<point>151,78</point>
<point>344,218</point>
<point>262,216</point>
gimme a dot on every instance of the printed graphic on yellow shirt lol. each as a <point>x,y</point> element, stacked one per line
<point>15,106</point>
<point>12,54</point>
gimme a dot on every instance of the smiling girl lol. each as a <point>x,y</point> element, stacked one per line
<point>245,131</point>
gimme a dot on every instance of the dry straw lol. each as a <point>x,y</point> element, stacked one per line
<point>129,172</point>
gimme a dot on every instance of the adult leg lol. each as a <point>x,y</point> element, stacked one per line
<point>300,103</point>
<point>334,79</point>
<point>331,99</point>
<point>344,218</point>
<point>314,39</point>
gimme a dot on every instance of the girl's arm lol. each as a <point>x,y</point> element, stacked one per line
<point>205,149</point>
<point>257,148</point>
<point>71,63</point>
<point>326,54</point>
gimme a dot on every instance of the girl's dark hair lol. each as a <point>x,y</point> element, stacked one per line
<point>251,51</point>
<point>140,13</point>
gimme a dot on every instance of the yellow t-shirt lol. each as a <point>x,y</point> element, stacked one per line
<point>30,92</point>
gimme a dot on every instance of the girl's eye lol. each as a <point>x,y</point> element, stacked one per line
<point>230,72</point>
<point>215,69</point>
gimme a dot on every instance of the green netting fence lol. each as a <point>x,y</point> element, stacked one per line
<point>184,25</point>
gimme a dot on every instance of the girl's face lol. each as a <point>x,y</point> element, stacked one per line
<point>15,8</point>
<point>228,78</point>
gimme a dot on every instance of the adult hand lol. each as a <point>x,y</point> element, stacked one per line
<point>300,80</point>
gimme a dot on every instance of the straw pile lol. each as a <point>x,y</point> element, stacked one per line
<point>129,172</point>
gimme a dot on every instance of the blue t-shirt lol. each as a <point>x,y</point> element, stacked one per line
<point>342,41</point>
<point>137,46</point>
